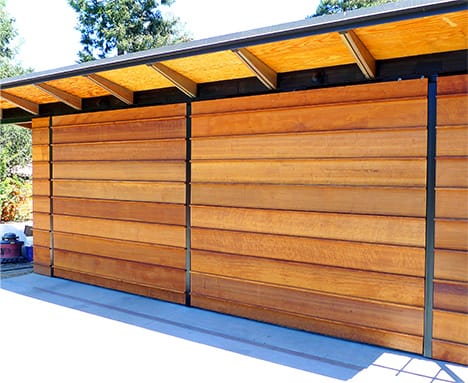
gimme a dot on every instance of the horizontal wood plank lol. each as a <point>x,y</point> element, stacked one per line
<point>451,234</point>
<point>361,143</point>
<point>41,204</point>
<point>374,229</point>
<point>451,326</point>
<point>41,221</point>
<point>342,94</point>
<point>166,192</point>
<point>39,268</point>
<point>355,311</point>
<point>171,214</point>
<point>334,328</point>
<point>121,170</point>
<point>452,203</point>
<point>40,122</point>
<point>123,151</point>
<point>128,271</point>
<point>149,291</point>
<point>150,129</point>
<point>452,84</point>
<point>353,255</point>
<point>339,199</point>
<point>159,111</point>
<point>40,153</point>
<point>365,172</point>
<point>41,238</point>
<point>452,110</point>
<point>42,255</point>
<point>451,265</point>
<point>40,136</point>
<point>41,187</point>
<point>452,141</point>
<point>41,170</point>
<point>449,351</point>
<point>452,172</point>
<point>339,281</point>
<point>451,296</point>
<point>383,114</point>
<point>136,231</point>
<point>121,249</point>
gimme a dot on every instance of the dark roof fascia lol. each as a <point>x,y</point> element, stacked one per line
<point>402,10</point>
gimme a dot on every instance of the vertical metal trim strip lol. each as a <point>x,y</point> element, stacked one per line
<point>430,213</point>
<point>51,193</point>
<point>188,193</point>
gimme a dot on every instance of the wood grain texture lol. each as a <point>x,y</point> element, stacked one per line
<point>451,296</point>
<point>364,172</point>
<point>452,172</point>
<point>451,234</point>
<point>123,151</point>
<point>150,129</point>
<point>40,122</point>
<point>41,187</point>
<point>342,94</point>
<point>454,352</point>
<point>344,330</point>
<point>40,136</point>
<point>41,238</point>
<point>360,143</point>
<point>340,199</point>
<point>383,114</point>
<point>381,315</point>
<point>42,255</point>
<point>41,170</point>
<point>451,265</point>
<point>40,153</point>
<point>451,326</point>
<point>452,110</point>
<point>125,249</point>
<point>149,291</point>
<point>353,255</point>
<point>452,203</point>
<point>39,268</point>
<point>452,84</point>
<point>375,229</point>
<point>171,214</point>
<point>121,170</point>
<point>166,192</point>
<point>452,141</point>
<point>127,271</point>
<point>339,281</point>
<point>41,221</point>
<point>41,204</point>
<point>127,115</point>
<point>136,231</point>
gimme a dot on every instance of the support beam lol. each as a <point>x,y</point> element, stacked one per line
<point>20,102</point>
<point>122,93</point>
<point>265,74</point>
<point>363,57</point>
<point>67,98</point>
<point>183,83</point>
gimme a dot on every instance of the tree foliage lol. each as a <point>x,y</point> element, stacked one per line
<point>327,7</point>
<point>110,27</point>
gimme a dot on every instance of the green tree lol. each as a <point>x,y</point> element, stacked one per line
<point>327,7</point>
<point>110,27</point>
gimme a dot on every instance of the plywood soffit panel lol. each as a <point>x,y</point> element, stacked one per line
<point>183,83</point>
<point>115,89</point>
<point>67,98</point>
<point>264,73</point>
<point>361,54</point>
<point>22,103</point>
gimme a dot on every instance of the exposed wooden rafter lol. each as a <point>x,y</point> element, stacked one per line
<point>363,57</point>
<point>20,102</point>
<point>265,74</point>
<point>119,91</point>
<point>183,83</point>
<point>67,98</point>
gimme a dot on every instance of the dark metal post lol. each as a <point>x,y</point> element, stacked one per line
<point>430,213</point>
<point>188,193</point>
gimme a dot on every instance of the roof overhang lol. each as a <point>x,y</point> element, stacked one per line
<point>402,39</point>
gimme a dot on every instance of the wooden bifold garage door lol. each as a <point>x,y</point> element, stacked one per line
<point>308,208</point>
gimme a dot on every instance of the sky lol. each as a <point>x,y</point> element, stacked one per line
<point>48,38</point>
